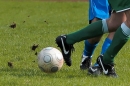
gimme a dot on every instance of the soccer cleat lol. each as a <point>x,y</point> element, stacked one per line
<point>85,63</point>
<point>107,69</point>
<point>94,70</point>
<point>66,49</point>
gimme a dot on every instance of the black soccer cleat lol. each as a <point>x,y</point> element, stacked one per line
<point>95,70</point>
<point>107,69</point>
<point>85,63</point>
<point>66,49</point>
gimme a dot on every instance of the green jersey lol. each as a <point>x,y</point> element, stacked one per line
<point>119,5</point>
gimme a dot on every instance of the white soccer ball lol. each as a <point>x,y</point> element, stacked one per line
<point>50,60</point>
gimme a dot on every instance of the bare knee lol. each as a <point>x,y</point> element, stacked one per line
<point>115,21</point>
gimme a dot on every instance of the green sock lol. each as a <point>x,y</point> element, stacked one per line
<point>118,42</point>
<point>93,30</point>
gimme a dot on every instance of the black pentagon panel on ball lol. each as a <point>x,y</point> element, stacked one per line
<point>54,69</point>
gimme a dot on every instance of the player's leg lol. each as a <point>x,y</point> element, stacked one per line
<point>95,9</point>
<point>120,38</point>
<point>89,47</point>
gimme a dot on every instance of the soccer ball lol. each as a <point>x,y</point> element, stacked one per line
<point>50,60</point>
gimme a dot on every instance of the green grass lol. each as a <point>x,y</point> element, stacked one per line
<point>61,18</point>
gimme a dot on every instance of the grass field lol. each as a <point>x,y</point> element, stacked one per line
<point>39,22</point>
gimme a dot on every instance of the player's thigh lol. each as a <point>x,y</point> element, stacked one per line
<point>115,20</point>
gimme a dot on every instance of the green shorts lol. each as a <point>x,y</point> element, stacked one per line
<point>119,5</point>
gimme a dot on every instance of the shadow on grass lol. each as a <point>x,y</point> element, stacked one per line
<point>22,72</point>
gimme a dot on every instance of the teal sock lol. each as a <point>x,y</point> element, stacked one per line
<point>89,48</point>
<point>120,38</point>
<point>105,45</point>
<point>92,30</point>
